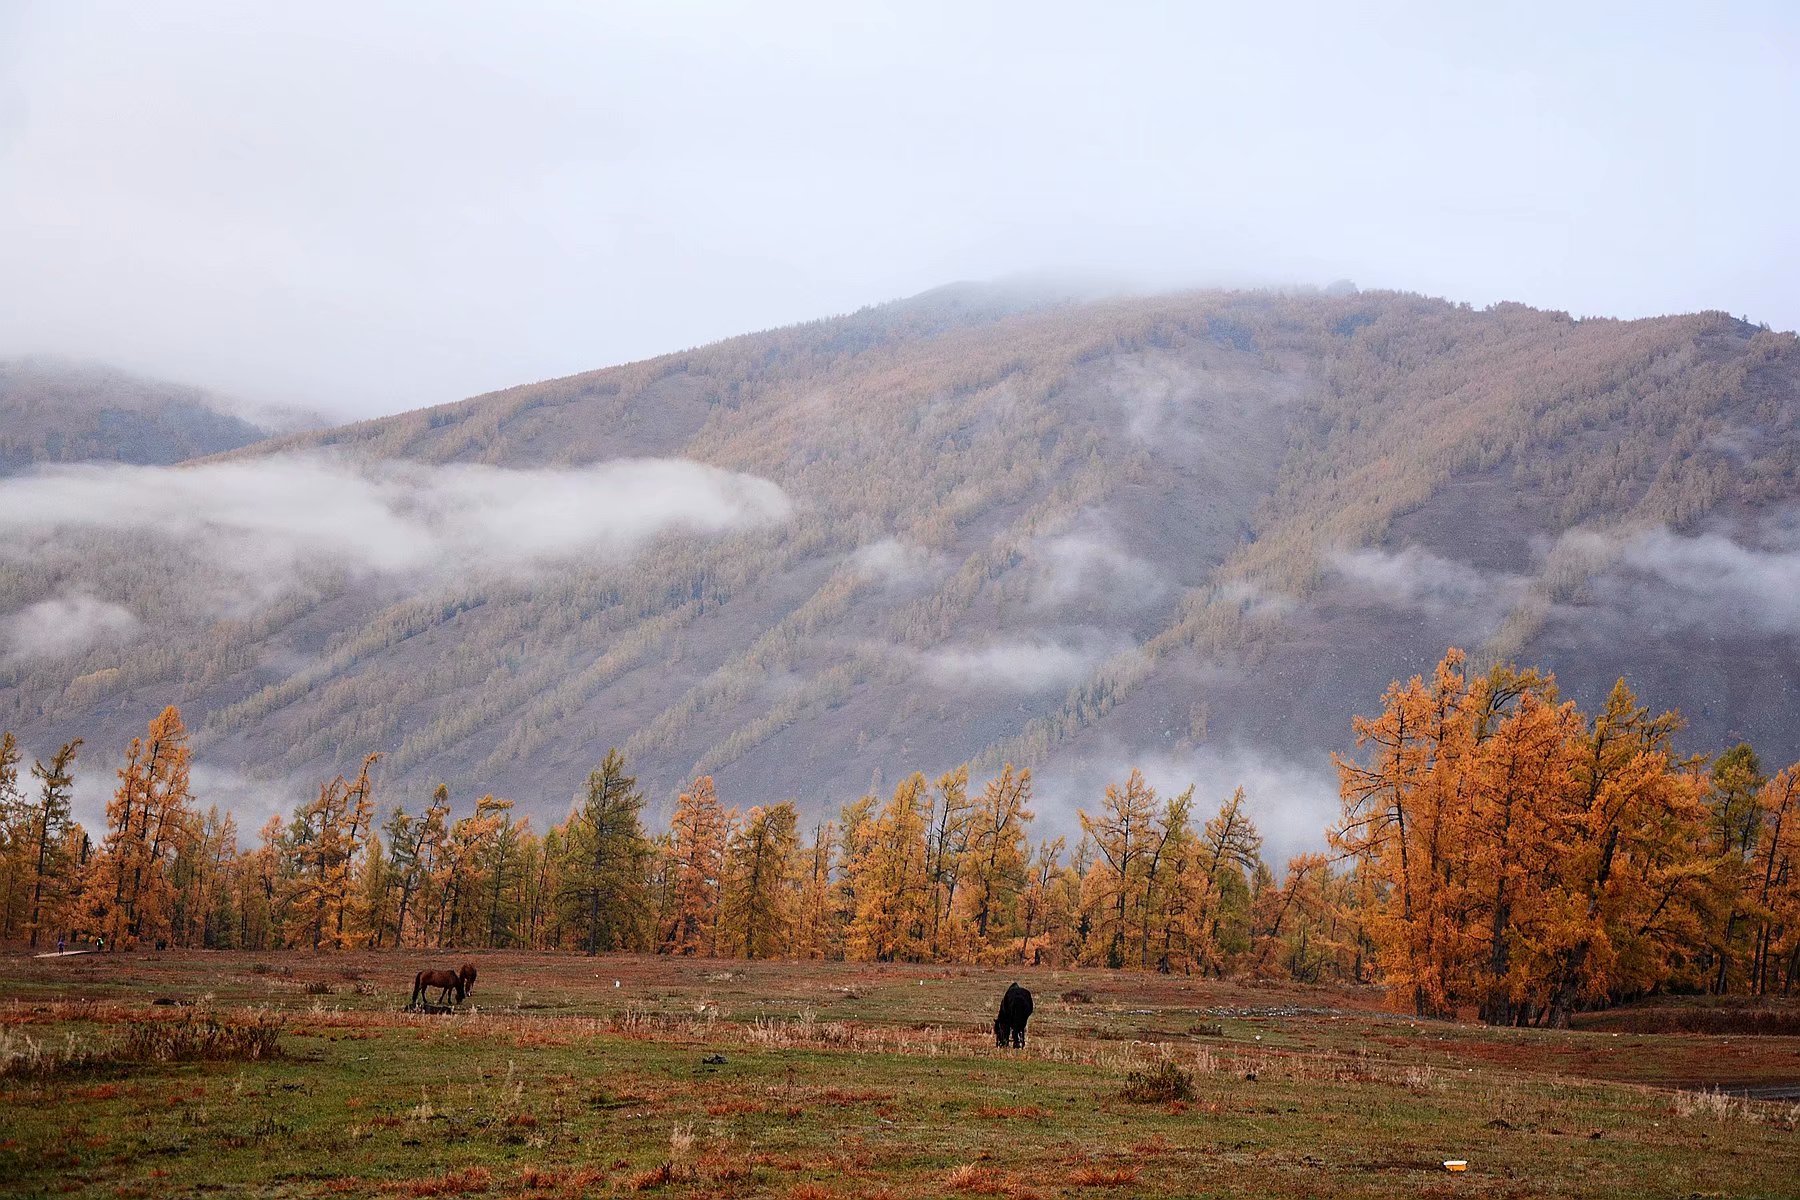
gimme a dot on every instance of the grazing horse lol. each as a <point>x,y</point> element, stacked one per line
<point>468,977</point>
<point>445,981</point>
<point>1015,1010</point>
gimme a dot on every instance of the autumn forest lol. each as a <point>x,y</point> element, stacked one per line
<point>1499,852</point>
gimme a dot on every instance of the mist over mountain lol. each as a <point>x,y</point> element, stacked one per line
<point>55,410</point>
<point>1193,532</point>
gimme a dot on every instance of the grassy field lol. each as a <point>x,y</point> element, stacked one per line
<point>568,1076</point>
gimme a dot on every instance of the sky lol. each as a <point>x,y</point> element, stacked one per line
<point>363,208</point>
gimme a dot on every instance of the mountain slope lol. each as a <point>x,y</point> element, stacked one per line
<point>1197,530</point>
<point>52,411</point>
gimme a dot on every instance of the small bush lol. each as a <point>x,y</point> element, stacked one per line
<point>1159,1084</point>
<point>1078,996</point>
<point>316,987</point>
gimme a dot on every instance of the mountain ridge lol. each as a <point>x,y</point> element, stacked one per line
<point>1052,530</point>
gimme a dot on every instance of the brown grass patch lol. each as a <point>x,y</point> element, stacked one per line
<point>655,1177</point>
<point>725,1170</point>
<point>840,1096</point>
<point>1100,1175</point>
<point>731,1108</point>
<point>973,1177</point>
<point>451,1183</point>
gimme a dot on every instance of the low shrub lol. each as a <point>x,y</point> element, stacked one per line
<point>1158,1084</point>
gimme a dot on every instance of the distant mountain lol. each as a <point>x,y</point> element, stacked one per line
<point>57,411</point>
<point>1195,531</point>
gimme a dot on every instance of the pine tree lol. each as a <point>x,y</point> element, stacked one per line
<point>696,862</point>
<point>816,925</point>
<point>997,855</point>
<point>757,909</point>
<point>48,826</point>
<point>129,894</point>
<point>889,878</point>
<point>1115,889</point>
<point>605,858</point>
<point>324,841</point>
<point>15,854</point>
<point>1775,872</point>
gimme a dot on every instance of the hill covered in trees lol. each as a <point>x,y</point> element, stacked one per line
<point>978,526</point>
<point>56,411</point>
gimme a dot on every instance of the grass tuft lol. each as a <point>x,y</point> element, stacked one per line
<point>1101,1175</point>
<point>1159,1084</point>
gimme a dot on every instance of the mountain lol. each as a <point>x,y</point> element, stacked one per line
<point>1195,531</point>
<point>56,411</point>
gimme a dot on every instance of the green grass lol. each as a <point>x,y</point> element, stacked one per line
<point>851,1080</point>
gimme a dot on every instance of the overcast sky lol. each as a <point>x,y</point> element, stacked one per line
<point>367,207</point>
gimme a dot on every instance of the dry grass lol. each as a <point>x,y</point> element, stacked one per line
<point>1102,1175</point>
<point>195,1035</point>
<point>451,1183</point>
<point>887,1097</point>
<point>975,1178</point>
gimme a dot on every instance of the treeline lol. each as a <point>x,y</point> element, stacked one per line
<point>1499,851</point>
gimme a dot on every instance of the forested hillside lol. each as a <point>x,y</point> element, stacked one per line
<point>52,411</point>
<point>1181,529</point>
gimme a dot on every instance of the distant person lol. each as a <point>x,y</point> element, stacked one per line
<point>61,945</point>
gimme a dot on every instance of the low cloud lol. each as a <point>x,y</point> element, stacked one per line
<point>1415,580</point>
<point>1022,665</point>
<point>1091,568</point>
<point>1291,802</point>
<point>266,519</point>
<point>1711,580</point>
<point>62,626</point>
<point>894,563</point>
<point>251,802</point>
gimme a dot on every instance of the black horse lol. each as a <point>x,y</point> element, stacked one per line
<point>1015,1010</point>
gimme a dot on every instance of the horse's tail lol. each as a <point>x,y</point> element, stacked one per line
<point>418,989</point>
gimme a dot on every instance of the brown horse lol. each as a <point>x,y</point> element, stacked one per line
<point>445,981</point>
<point>468,977</point>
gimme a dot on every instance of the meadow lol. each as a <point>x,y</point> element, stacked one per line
<point>193,1073</point>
